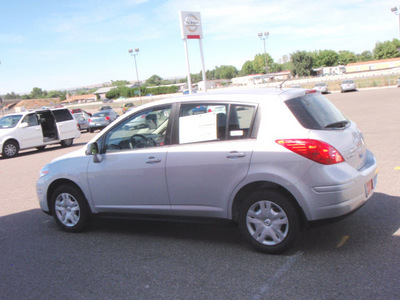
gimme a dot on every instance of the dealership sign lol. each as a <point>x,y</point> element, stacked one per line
<point>191,25</point>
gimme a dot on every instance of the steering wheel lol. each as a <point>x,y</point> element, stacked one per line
<point>140,141</point>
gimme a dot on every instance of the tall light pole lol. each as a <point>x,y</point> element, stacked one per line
<point>397,12</point>
<point>264,36</point>
<point>137,75</point>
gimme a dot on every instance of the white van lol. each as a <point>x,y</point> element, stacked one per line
<point>37,129</point>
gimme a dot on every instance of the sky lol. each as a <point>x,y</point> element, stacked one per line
<point>60,45</point>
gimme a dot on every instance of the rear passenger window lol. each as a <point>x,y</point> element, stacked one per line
<point>202,123</point>
<point>62,115</point>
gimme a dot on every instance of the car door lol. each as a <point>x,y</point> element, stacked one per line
<point>67,126</point>
<point>131,174</point>
<point>211,157</point>
<point>30,136</point>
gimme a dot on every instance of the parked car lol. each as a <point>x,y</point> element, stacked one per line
<point>322,87</point>
<point>271,161</point>
<point>102,119</point>
<point>105,107</point>
<point>127,106</point>
<point>76,111</point>
<point>79,111</point>
<point>348,85</point>
<point>36,129</point>
<point>83,121</point>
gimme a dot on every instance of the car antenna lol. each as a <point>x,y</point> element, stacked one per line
<point>280,86</point>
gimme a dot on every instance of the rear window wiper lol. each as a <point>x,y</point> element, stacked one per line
<point>339,124</point>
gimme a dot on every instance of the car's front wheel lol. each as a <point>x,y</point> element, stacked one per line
<point>269,221</point>
<point>69,208</point>
<point>10,149</point>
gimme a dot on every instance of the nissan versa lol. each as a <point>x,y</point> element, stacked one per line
<point>270,160</point>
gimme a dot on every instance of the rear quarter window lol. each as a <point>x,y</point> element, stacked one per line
<point>314,111</point>
<point>62,115</point>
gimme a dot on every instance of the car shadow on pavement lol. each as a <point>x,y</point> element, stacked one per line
<point>373,225</point>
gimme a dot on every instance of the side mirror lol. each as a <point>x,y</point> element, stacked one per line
<point>93,149</point>
<point>23,125</point>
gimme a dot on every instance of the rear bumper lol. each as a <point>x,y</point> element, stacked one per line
<point>333,201</point>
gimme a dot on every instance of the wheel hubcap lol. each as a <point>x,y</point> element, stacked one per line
<point>67,209</point>
<point>267,223</point>
<point>10,149</point>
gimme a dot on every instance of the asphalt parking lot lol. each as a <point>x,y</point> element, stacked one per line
<point>355,258</point>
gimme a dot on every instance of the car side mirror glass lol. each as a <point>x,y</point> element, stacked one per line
<point>92,149</point>
<point>23,125</point>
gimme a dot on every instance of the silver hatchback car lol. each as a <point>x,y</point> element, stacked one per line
<point>271,160</point>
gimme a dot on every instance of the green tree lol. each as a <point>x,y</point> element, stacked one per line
<point>154,80</point>
<point>119,82</point>
<point>325,58</point>
<point>259,63</point>
<point>37,93</point>
<point>365,56</point>
<point>346,57</point>
<point>302,63</point>
<point>247,68</point>
<point>11,96</point>
<point>387,49</point>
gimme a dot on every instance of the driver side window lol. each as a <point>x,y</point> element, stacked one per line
<point>142,130</point>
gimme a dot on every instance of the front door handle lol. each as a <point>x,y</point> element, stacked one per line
<point>153,160</point>
<point>235,154</point>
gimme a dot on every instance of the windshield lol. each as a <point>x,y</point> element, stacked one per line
<point>314,111</point>
<point>101,114</point>
<point>9,121</point>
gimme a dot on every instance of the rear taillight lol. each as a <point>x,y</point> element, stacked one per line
<point>90,120</point>
<point>108,118</point>
<point>311,91</point>
<point>314,150</point>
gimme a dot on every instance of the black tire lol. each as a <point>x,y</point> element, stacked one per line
<point>91,130</point>
<point>10,149</point>
<point>69,209</point>
<point>273,230</point>
<point>41,148</point>
<point>67,143</point>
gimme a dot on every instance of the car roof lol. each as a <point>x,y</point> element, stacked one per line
<point>235,95</point>
<point>36,110</point>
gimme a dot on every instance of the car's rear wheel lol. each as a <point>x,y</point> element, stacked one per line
<point>10,149</point>
<point>67,142</point>
<point>69,209</point>
<point>269,221</point>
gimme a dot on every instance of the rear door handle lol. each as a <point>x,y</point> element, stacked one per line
<point>153,160</point>
<point>235,154</point>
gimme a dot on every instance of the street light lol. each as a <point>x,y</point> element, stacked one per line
<point>137,75</point>
<point>264,36</point>
<point>397,12</point>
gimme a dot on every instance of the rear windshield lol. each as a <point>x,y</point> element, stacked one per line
<point>102,114</point>
<point>62,115</point>
<point>314,111</point>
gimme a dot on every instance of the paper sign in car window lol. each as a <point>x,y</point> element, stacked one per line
<point>197,128</point>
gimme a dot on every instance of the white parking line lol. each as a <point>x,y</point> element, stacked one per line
<point>397,233</point>
<point>278,274</point>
